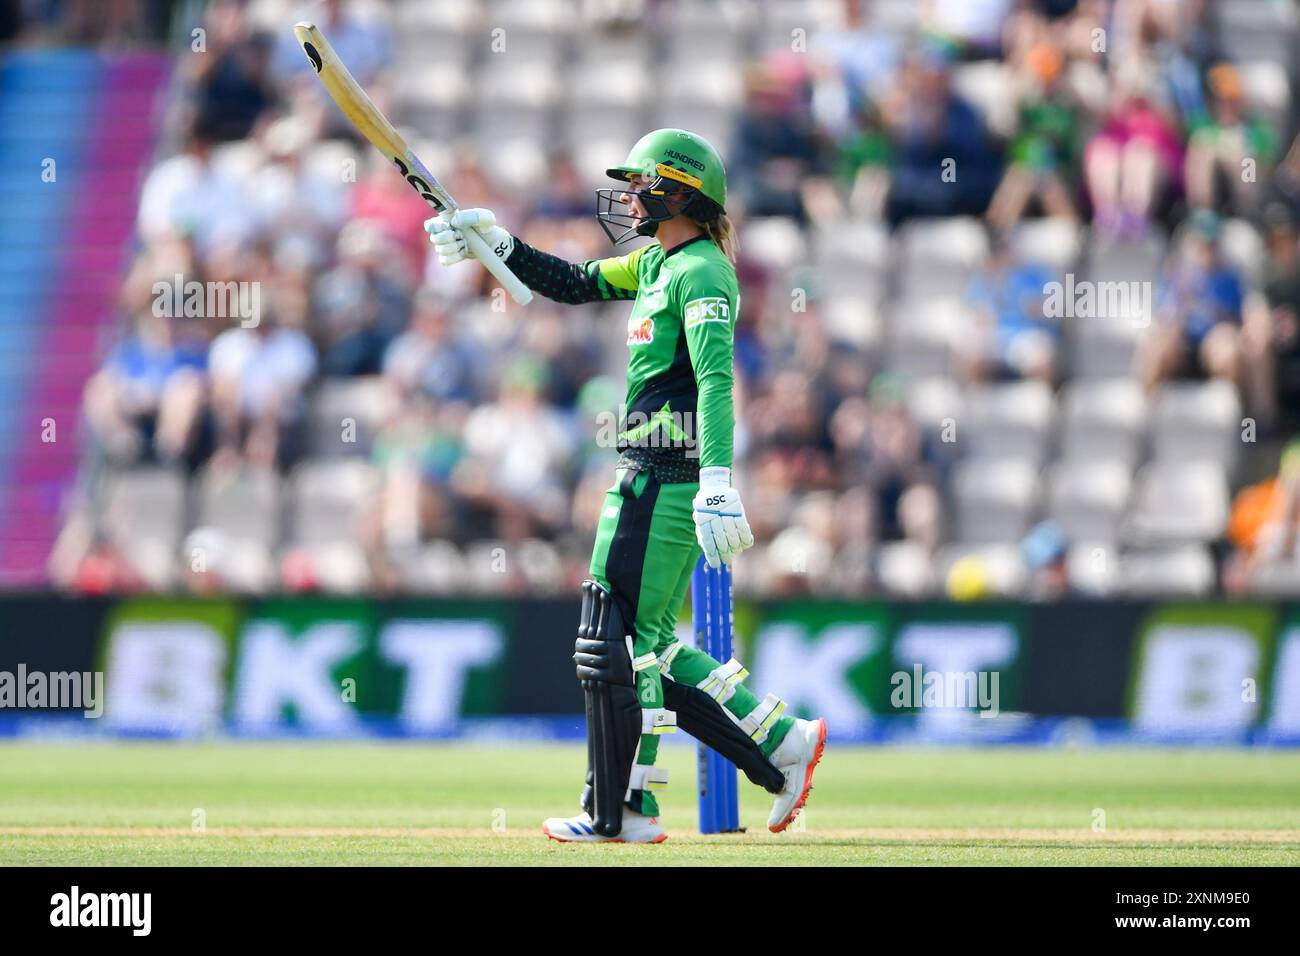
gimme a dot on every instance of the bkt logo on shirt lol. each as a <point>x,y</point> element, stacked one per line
<point>640,331</point>
<point>714,309</point>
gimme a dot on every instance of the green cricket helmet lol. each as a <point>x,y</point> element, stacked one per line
<point>687,179</point>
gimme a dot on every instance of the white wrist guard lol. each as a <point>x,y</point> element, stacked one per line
<point>715,477</point>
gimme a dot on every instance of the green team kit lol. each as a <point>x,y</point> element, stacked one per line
<point>639,680</point>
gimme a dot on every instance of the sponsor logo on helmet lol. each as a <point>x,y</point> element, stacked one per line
<point>712,309</point>
<point>683,158</point>
<point>640,331</point>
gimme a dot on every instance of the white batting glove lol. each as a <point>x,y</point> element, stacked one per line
<point>445,234</point>
<point>720,523</point>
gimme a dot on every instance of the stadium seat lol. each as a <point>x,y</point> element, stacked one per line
<point>591,156</point>
<point>581,127</point>
<point>340,567</point>
<point>854,320</point>
<point>896,15</point>
<point>1088,498</point>
<point>1092,566</point>
<point>1197,421</point>
<point>144,513</point>
<point>511,81</point>
<point>923,332</point>
<point>938,256</point>
<point>536,14</point>
<point>774,30</point>
<point>852,255</point>
<point>441,82</point>
<point>492,124</point>
<point>773,241</point>
<point>904,568</point>
<point>438,124</point>
<point>932,399</point>
<point>437,567</point>
<point>1268,89</point>
<point>489,566</point>
<point>1242,247</point>
<point>634,48</point>
<point>448,16</point>
<point>1055,243</point>
<point>517,161</point>
<point>542,566</point>
<point>1110,260</point>
<point>1186,571</point>
<point>1103,350</point>
<point>329,500</point>
<point>796,551</point>
<point>426,44</point>
<point>702,82</point>
<point>242,566</point>
<point>1012,419</point>
<point>853,570</point>
<point>243,504</point>
<point>368,402</point>
<point>708,42</point>
<point>526,42</point>
<point>1103,419</point>
<point>1177,502</point>
<point>609,84</point>
<point>706,16</point>
<point>994,498</point>
<point>1257,29</point>
<point>324,159</point>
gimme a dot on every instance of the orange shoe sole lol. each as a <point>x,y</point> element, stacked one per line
<point>807,778</point>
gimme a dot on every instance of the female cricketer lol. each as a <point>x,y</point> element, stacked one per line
<point>672,495</point>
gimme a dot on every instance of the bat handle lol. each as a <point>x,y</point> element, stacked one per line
<point>509,281</point>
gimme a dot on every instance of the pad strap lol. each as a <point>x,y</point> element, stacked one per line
<point>658,720</point>
<point>722,680</point>
<point>647,778</point>
<point>668,656</point>
<point>758,724</point>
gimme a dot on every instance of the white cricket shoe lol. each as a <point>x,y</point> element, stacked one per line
<point>637,828</point>
<point>796,757</point>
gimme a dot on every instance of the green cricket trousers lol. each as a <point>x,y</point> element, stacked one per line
<point>644,556</point>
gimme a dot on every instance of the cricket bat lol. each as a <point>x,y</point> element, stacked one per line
<point>374,126</point>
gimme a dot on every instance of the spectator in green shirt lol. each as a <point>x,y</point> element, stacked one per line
<point>1229,152</point>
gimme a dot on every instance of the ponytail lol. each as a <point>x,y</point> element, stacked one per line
<point>712,218</point>
<point>722,234</point>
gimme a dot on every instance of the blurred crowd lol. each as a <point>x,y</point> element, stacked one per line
<point>467,429</point>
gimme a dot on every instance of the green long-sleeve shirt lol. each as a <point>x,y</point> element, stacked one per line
<point>679,336</point>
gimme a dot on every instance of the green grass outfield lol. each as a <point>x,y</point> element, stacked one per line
<point>406,803</point>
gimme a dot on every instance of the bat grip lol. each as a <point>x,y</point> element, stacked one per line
<point>500,271</point>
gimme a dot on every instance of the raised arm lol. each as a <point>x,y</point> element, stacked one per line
<point>596,280</point>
